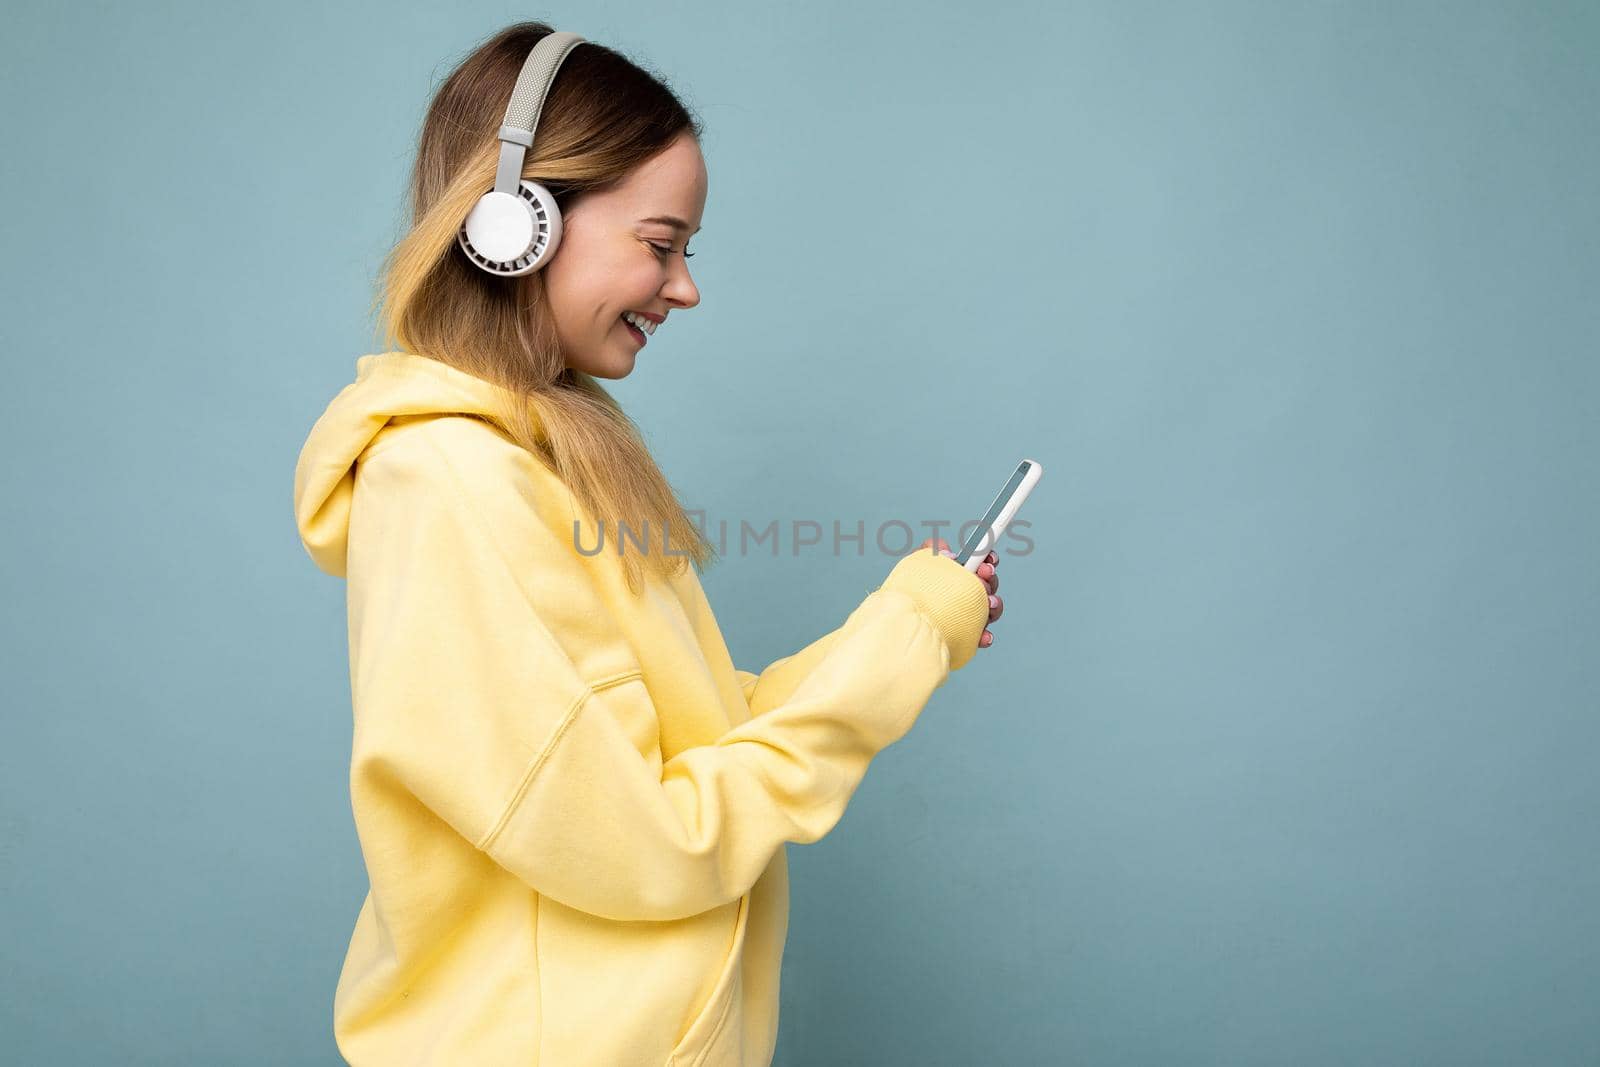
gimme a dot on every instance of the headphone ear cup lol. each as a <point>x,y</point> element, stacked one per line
<point>512,235</point>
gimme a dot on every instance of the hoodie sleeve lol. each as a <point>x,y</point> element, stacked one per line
<point>930,585</point>
<point>465,701</point>
<point>772,686</point>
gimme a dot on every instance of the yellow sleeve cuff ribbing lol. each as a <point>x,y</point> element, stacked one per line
<point>955,599</point>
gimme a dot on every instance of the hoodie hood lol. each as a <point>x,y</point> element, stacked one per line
<point>388,386</point>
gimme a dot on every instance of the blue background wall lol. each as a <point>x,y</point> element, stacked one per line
<point>1285,752</point>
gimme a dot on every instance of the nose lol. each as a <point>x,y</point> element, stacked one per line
<point>680,287</point>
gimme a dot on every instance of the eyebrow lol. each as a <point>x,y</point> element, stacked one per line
<point>669,220</point>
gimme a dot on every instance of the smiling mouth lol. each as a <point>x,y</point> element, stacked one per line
<point>638,334</point>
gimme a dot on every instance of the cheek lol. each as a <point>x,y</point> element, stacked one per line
<point>589,287</point>
<point>575,288</point>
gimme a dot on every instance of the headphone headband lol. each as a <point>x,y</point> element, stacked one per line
<point>515,227</point>
<point>527,101</point>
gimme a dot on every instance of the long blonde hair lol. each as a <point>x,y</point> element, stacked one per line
<point>602,117</point>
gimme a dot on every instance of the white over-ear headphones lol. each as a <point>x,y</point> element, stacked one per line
<point>515,227</point>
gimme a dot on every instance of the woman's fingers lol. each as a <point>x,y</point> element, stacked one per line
<point>990,576</point>
<point>996,605</point>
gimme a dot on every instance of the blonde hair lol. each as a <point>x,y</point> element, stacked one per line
<point>603,116</point>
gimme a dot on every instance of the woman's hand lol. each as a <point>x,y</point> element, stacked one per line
<point>989,575</point>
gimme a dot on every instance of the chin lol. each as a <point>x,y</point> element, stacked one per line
<point>610,371</point>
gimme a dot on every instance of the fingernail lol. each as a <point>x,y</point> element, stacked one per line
<point>994,601</point>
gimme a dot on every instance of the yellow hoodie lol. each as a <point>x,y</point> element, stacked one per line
<point>571,805</point>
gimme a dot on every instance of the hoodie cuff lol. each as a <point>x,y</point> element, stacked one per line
<point>953,598</point>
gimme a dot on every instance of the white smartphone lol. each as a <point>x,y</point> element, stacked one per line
<point>1000,513</point>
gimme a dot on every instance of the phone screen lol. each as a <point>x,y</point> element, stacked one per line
<point>992,514</point>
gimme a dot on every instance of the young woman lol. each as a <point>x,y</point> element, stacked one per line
<point>572,807</point>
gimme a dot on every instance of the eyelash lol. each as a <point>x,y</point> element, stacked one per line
<point>668,250</point>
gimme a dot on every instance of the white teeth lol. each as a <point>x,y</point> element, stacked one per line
<point>644,324</point>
